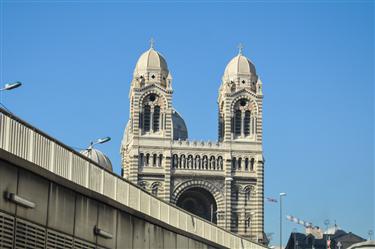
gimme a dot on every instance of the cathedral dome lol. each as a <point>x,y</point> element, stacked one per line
<point>180,131</point>
<point>239,66</point>
<point>151,60</point>
<point>98,157</point>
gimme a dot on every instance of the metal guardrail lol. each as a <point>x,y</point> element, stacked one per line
<point>27,142</point>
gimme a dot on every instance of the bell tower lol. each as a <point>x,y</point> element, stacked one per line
<point>240,130</point>
<point>239,95</point>
<point>150,117</point>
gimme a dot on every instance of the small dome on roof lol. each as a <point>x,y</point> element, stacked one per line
<point>98,157</point>
<point>151,60</point>
<point>239,66</point>
<point>180,131</point>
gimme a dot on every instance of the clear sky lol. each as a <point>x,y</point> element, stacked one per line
<point>316,61</point>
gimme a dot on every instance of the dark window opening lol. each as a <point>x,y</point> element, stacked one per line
<point>156,118</point>
<point>237,123</point>
<point>247,123</point>
<point>146,118</point>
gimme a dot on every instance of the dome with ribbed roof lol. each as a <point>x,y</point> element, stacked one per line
<point>239,66</point>
<point>180,131</point>
<point>151,61</point>
<point>98,157</point>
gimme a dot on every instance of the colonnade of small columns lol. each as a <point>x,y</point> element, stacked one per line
<point>243,164</point>
<point>198,162</point>
<point>150,160</point>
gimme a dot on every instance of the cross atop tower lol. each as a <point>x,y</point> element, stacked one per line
<point>240,48</point>
<point>152,42</point>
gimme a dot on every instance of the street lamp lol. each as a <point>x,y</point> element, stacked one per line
<point>11,86</point>
<point>99,141</point>
<point>7,87</point>
<point>281,228</point>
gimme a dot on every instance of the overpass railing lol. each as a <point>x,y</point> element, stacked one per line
<point>33,145</point>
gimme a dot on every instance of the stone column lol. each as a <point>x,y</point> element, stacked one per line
<point>228,191</point>
<point>243,123</point>
<point>167,164</point>
<point>258,225</point>
<point>133,166</point>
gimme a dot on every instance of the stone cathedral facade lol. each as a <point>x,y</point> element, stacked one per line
<point>220,181</point>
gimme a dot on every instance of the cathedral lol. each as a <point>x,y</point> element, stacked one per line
<point>221,181</point>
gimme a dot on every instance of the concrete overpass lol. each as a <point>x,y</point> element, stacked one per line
<point>54,197</point>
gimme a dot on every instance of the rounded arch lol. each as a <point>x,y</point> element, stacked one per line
<point>148,93</point>
<point>214,191</point>
<point>253,104</point>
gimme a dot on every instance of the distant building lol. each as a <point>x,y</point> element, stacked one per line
<point>369,244</point>
<point>221,181</point>
<point>339,239</point>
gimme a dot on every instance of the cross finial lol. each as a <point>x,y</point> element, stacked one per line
<point>152,42</point>
<point>240,48</point>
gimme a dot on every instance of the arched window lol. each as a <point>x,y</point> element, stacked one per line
<point>205,162</point>
<point>190,161</point>
<point>155,189</point>
<point>160,160</point>
<point>147,159</point>
<point>146,118</point>
<point>182,162</point>
<point>234,163</point>
<point>154,159</point>
<point>242,122</point>
<point>175,161</point>
<point>239,163</point>
<point>156,119</point>
<point>141,160</point>
<point>151,114</point>
<point>220,163</point>
<point>247,123</point>
<point>237,123</point>
<point>252,164</point>
<point>198,162</point>
<point>212,163</point>
<point>246,164</point>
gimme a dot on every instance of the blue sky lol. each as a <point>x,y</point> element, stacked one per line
<point>316,61</point>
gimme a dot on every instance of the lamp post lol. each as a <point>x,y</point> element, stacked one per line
<point>99,141</point>
<point>7,87</point>
<point>281,225</point>
<point>11,86</point>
